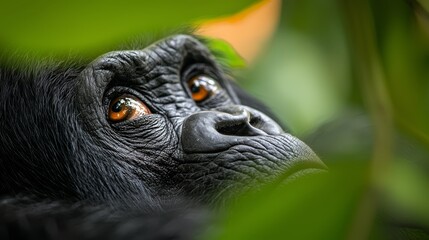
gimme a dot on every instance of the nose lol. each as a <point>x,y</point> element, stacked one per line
<point>210,131</point>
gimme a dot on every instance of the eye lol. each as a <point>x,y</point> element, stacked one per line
<point>126,108</point>
<point>202,87</point>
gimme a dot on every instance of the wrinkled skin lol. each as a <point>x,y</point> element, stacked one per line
<point>57,143</point>
<point>216,142</point>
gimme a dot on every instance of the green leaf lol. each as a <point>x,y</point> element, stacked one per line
<point>225,53</point>
<point>315,207</point>
<point>406,191</point>
<point>88,27</point>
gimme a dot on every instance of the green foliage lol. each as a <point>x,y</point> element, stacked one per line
<point>406,190</point>
<point>314,207</point>
<point>225,53</point>
<point>86,28</point>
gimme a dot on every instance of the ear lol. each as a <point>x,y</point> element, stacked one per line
<point>248,100</point>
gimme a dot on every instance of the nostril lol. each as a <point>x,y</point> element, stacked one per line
<point>256,122</point>
<point>238,127</point>
<point>219,129</point>
<point>234,129</point>
<point>228,130</point>
<point>244,121</point>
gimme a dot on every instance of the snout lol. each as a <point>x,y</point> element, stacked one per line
<point>246,140</point>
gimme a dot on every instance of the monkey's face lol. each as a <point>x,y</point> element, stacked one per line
<point>171,115</point>
<point>138,126</point>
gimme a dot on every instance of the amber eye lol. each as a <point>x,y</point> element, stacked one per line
<point>126,108</point>
<point>202,87</point>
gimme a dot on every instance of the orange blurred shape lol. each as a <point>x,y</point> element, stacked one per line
<point>247,31</point>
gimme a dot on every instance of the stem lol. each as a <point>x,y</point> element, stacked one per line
<point>370,76</point>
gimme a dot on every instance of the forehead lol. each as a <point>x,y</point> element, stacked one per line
<point>166,57</point>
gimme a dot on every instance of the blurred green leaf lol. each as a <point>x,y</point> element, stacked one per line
<point>405,52</point>
<point>424,4</point>
<point>315,207</point>
<point>87,27</point>
<point>406,190</point>
<point>225,53</point>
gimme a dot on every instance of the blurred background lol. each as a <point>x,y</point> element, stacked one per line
<point>350,78</point>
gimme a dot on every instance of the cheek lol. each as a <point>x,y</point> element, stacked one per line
<point>152,132</point>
